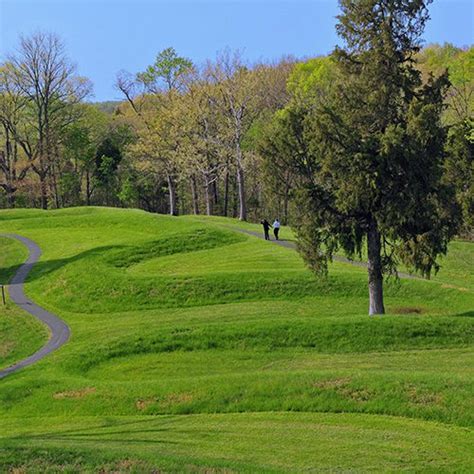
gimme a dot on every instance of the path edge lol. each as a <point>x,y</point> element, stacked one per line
<point>59,331</point>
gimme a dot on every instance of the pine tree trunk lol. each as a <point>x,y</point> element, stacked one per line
<point>172,196</point>
<point>376,305</point>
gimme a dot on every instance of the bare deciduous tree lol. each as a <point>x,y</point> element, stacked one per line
<point>43,75</point>
<point>238,96</point>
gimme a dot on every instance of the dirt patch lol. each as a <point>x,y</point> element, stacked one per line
<point>175,399</point>
<point>165,402</point>
<point>454,287</point>
<point>342,387</point>
<point>6,348</point>
<point>357,394</point>
<point>128,465</point>
<point>407,310</point>
<point>75,394</point>
<point>420,396</point>
<point>208,470</point>
<point>17,470</point>
<point>332,383</point>
<point>143,404</point>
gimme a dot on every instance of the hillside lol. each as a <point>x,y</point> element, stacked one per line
<point>195,346</point>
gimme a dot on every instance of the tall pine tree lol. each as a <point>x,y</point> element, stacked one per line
<point>377,149</point>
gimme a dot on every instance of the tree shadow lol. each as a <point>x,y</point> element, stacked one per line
<point>111,433</point>
<point>467,314</point>
<point>45,267</point>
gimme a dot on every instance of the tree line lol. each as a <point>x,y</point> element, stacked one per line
<point>371,145</point>
<point>185,139</point>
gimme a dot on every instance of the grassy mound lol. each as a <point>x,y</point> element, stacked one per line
<point>252,442</point>
<point>188,316</point>
<point>20,334</point>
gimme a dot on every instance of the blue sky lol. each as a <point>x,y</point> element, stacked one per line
<point>105,36</point>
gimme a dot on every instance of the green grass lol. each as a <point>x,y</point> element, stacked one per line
<point>195,347</point>
<point>20,334</point>
<point>264,442</point>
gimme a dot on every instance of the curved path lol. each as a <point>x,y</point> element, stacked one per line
<point>291,245</point>
<point>58,328</point>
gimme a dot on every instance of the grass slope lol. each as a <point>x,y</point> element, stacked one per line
<point>20,334</point>
<point>195,347</point>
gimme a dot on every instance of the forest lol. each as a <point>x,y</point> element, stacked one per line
<point>224,138</point>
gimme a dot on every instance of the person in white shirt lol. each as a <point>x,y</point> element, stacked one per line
<point>276,228</point>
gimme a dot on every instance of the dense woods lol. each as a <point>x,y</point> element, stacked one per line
<point>223,138</point>
<point>371,145</point>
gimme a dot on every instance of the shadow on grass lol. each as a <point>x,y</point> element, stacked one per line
<point>42,268</point>
<point>108,433</point>
<point>467,314</point>
<point>124,256</point>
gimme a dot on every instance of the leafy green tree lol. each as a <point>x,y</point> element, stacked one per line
<point>69,187</point>
<point>435,60</point>
<point>107,161</point>
<point>376,151</point>
<point>459,170</point>
<point>81,141</point>
<point>284,149</point>
<point>459,116</point>
<point>284,140</point>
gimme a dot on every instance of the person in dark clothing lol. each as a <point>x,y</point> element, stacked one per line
<point>266,228</point>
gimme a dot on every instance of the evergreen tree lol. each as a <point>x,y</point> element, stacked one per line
<point>377,151</point>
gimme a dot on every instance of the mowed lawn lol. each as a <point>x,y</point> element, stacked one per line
<point>20,334</point>
<point>196,347</point>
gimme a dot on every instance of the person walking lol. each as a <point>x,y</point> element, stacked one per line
<point>266,228</point>
<point>276,228</point>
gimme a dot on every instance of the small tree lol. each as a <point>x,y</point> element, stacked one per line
<point>377,144</point>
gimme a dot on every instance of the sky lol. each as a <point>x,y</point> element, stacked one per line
<point>105,36</point>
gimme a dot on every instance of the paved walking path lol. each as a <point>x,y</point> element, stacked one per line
<point>59,330</point>
<point>291,245</point>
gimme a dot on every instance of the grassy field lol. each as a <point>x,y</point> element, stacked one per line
<point>195,347</point>
<point>20,334</point>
